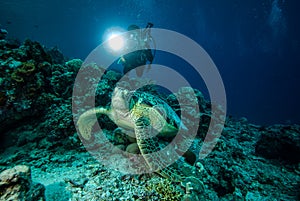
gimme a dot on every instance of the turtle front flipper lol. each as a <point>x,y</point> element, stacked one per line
<point>150,149</point>
<point>88,119</point>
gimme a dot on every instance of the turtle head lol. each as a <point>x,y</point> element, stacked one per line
<point>122,99</point>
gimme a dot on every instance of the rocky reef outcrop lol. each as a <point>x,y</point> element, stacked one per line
<point>31,82</point>
<point>16,184</point>
<point>249,162</point>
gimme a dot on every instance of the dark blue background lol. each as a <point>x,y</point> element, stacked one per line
<point>254,43</point>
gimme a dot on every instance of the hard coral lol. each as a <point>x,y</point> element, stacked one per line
<point>34,50</point>
<point>23,72</point>
<point>27,68</point>
<point>30,82</point>
<point>16,77</point>
<point>165,189</point>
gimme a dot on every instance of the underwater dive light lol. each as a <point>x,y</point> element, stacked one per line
<point>116,41</point>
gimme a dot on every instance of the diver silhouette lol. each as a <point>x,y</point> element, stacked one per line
<point>140,40</point>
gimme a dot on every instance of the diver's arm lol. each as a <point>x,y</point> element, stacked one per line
<point>147,30</point>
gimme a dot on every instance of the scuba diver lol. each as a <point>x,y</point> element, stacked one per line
<point>139,41</point>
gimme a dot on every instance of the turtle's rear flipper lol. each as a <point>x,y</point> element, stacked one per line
<point>158,160</point>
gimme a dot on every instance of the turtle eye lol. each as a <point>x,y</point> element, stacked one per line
<point>124,94</point>
<point>127,96</point>
<point>131,103</point>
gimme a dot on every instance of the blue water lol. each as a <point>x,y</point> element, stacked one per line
<point>254,43</point>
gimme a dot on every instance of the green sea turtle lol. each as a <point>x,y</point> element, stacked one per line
<point>146,115</point>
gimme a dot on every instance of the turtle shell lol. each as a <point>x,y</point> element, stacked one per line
<point>162,110</point>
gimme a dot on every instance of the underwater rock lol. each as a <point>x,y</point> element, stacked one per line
<point>22,82</point>
<point>185,101</point>
<point>33,50</point>
<point>56,56</point>
<point>30,82</point>
<point>57,125</point>
<point>16,184</point>
<point>3,34</point>
<point>280,142</point>
<point>12,43</point>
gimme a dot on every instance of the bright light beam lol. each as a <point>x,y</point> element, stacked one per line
<point>116,41</point>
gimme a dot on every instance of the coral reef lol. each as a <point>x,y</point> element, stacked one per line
<point>31,81</point>
<point>3,34</point>
<point>279,143</point>
<point>249,162</point>
<point>166,189</point>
